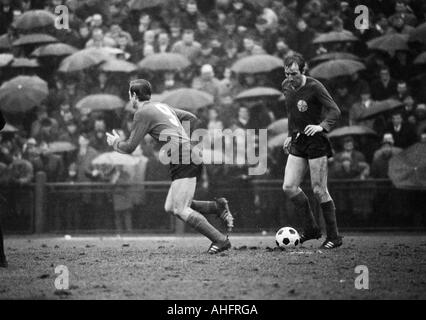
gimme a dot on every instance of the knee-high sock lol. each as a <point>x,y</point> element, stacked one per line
<point>200,224</point>
<point>205,207</point>
<point>1,245</point>
<point>329,213</point>
<point>301,202</point>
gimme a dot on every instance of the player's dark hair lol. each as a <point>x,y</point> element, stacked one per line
<point>142,88</point>
<point>295,58</point>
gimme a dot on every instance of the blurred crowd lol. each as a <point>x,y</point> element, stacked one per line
<point>213,35</point>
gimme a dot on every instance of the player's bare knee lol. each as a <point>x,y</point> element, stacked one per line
<point>182,213</point>
<point>320,191</point>
<point>290,190</point>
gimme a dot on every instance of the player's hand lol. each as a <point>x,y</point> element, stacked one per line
<point>287,143</point>
<point>112,138</point>
<point>311,130</point>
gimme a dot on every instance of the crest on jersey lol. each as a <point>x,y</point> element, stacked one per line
<point>302,105</point>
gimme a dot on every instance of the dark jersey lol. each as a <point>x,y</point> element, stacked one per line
<point>311,105</point>
<point>160,121</point>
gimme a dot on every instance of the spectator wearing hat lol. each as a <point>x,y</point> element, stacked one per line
<point>207,82</point>
<point>403,133</point>
<point>380,165</point>
<point>188,47</point>
<point>385,87</point>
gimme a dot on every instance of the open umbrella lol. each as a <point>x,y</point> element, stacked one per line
<point>165,61</point>
<point>258,92</point>
<point>335,36</point>
<point>421,59</point>
<point>381,107</point>
<point>407,169</point>
<point>22,93</point>
<point>24,63</point>
<point>418,34</point>
<point>187,99</point>
<point>351,131</point>
<point>277,141</point>
<point>35,19</point>
<point>5,59</point>
<point>335,56</point>
<point>115,159</point>
<point>278,127</point>
<point>55,50</point>
<point>389,43</point>
<point>100,102</point>
<point>60,147</point>
<point>35,38</point>
<point>9,129</point>
<point>144,4</point>
<point>257,63</point>
<point>118,66</point>
<point>84,59</point>
<point>336,68</point>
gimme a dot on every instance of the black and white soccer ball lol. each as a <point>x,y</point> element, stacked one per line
<point>287,237</point>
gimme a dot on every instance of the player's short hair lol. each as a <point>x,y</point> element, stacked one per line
<point>142,88</point>
<point>295,58</point>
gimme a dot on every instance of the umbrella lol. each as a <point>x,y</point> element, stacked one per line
<point>389,43</point>
<point>258,92</point>
<point>84,59</point>
<point>115,159</point>
<point>336,68</point>
<point>35,19</point>
<point>335,36</point>
<point>407,169</point>
<point>60,147</point>
<point>5,42</point>
<point>5,59</point>
<point>257,63</point>
<point>36,38</point>
<point>118,66</point>
<point>9,129</point>
<point>100,102</point>
<point>335,56</point>
<point>278,127</point>
<point>188,99</point>
<point>418,34</point>
<point>164,61</point>
<point>144,4</point>
<point>351,131</point>
<point>25,63</point>
<point>379,107</point>
<point>154,98</point>
<point>277,141</point>
<point>421,59</point>
<point>55,49</point>
<point>22,93</point>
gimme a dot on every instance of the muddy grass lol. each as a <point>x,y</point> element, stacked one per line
<point>178,268</point>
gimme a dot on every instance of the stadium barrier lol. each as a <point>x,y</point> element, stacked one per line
<point>258,206</point>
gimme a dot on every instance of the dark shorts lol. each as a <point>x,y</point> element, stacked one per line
<point>314,147</point>
<point>182,171</point>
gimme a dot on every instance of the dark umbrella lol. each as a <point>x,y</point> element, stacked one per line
<point>407,170</point>
<point>188,99</point>
<point>9,129</point>
<point>257,63</point>
<point>336,68</point>
<point>335,56</point>
<point>144,4</point>
<point>100,102</point>
<point>22,93</point>
<point>55,50</point>
<point>258,92</point>
<point>164,61</point>
<point>5,59</point>
<point>84,59</point>
<point>389,43</point>
<point>36,38</point>
<point>351,131</point>
<point>335,36</point>
<point>35,19</point>
<point>418,34</point>
<point>381,107</point>
<point>278,127</point>
<point>25,63</point>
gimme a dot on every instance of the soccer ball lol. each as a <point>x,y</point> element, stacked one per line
<point>287,238</point>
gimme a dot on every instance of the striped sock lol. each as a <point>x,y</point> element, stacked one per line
<point>200,224</point>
